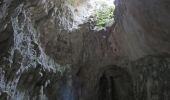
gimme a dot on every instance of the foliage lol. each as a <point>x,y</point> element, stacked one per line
<point>104,16</point>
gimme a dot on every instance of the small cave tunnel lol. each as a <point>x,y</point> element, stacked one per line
<point>114,83</point>
<point>107,89</point>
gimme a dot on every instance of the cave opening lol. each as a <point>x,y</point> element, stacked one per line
<point>114,83</point>
<point>107,89</point>
<point>100,12</point>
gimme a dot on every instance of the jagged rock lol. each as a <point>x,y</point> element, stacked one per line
<point>43,58</point>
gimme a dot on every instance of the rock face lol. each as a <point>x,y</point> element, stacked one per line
<point>141,35</point>
<point>41,59</point>
<point>25,67</point>
<point>142,29</point>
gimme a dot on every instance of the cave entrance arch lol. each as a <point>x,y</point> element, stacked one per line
<point>115,84</point>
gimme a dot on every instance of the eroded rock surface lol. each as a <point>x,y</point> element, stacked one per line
<point>42,59</point>
<point>142,27</point>
<point>40,56</point>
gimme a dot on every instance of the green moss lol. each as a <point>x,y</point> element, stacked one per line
<point>104,16</point>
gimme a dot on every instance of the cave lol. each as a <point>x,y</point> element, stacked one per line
<point>115,84</point>
<point>108,89</point>
<point>84,50</point>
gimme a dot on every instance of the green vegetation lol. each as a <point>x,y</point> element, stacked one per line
<point>104,16</point>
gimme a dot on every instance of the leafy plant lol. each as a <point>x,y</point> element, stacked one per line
<point>104,16</point>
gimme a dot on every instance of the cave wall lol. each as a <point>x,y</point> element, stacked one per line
<point>142,34</point>
<point>27,69</point>
<point>142,27</point>
<point>40,58</point>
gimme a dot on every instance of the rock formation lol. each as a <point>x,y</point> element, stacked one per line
<point>42,58</point>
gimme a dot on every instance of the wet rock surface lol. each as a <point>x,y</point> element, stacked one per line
<point>42,59</point>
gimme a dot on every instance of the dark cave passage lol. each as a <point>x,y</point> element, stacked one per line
<point>107,89</point>
<point>113,92</point>
<point>115,84</point>
<point>103,87</point>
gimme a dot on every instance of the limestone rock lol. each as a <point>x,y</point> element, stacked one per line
<point>43,58</point>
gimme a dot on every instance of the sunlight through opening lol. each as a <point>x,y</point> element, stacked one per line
<point>101,11</point>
